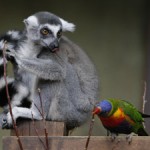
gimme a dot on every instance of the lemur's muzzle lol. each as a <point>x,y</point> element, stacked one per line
<point>54,46</point>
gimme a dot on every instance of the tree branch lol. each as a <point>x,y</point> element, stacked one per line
<point>90,132</point>
<point>37,133</point>
<point>8,97</point>
<point>45,130</point>
<point>144,98</point>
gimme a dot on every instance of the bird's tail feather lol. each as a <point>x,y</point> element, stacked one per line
<point>142,132</point>
<point>144,115</point>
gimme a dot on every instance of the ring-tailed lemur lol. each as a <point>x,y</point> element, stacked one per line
<point>59,68</point>
<point>18,92</point>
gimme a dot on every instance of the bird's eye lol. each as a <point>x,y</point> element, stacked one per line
<point>45,31</point>
<point>59,34</point>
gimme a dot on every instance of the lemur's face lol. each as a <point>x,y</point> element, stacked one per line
<point>50,35</point>
<point>45,29</point>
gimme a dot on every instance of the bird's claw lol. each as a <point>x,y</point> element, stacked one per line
<point>129,137</point>
<point>113,136</point>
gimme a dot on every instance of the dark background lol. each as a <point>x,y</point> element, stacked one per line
<point>115,34</point>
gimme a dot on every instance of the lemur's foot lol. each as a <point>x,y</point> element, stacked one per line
<point>7,121</point>
<point>5,125</point>
<point>2,118</point>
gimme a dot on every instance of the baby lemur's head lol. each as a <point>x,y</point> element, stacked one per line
<point>45,29</point>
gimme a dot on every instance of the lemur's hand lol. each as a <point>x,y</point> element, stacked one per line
<point>11,55</point>
<point>3,115</point>
<point>9,52</point>
<point>7,121</point>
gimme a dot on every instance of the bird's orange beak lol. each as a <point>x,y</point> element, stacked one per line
<point>96,110</point>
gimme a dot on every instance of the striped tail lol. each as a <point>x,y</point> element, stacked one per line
<point>10,81</point>
<point>18,92</point>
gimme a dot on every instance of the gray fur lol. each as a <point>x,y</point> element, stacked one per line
<point>67,80</point>
<point>46,17</point>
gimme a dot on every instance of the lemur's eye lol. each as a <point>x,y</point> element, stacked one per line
<point>45,31</point>
<point>59,33</point>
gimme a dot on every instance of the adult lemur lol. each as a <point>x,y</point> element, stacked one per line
<point>44,59</point>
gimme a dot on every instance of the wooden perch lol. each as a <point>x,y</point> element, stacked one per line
<point>57,140</point>
<point>77,143</point>
<point>27,128</point>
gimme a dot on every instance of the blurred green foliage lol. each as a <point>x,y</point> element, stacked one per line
<point>111,32</point>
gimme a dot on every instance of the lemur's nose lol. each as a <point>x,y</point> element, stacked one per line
<point>54,46</point>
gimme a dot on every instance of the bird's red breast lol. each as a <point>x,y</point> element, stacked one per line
<point>115,119</point>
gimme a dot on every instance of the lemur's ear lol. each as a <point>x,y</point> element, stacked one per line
<point>31,22</point>
<point>66,26</point>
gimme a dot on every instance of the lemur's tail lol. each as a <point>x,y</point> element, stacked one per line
<point>10,82</point>
<point>11,37</point>
<point>18,92</point>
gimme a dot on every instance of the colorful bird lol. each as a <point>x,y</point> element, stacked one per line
<point>120,116</point>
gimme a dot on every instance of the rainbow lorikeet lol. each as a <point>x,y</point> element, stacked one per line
<point>120,116</point>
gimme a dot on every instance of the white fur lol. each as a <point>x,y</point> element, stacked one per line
<point>1,48</point>
<point>31,21</point>
<point>66,26</point>
<point>24,113</point>
<point>14,34</point>
<point>1,44</point>
<point>28,50</point>
<point>2,82</point>
<point>2,61</point>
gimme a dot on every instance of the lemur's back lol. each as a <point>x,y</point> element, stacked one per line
<point>72,97</point>
<point>84,67</point>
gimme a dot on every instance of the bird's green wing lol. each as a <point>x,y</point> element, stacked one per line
<point>131,111</point>
<point>128,109</point>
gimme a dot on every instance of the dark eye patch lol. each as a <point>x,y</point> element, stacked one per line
<point>59,33</point>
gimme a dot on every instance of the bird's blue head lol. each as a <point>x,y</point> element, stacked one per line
<point>102,108</point>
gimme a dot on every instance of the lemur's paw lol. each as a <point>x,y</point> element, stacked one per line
<point>2,116</point>
<point>10,55</point>
<point>7,121</point>
<point>5,124</point>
